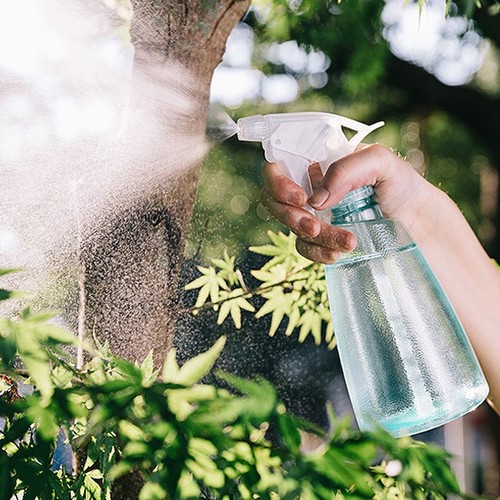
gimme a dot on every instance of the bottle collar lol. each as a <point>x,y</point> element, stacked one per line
<point>355,200</point>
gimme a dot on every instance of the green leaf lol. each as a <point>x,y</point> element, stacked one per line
<point>136,449</point>
<point>293,321</point>
<point>290,433</point>
<point>59,486</point>
<point>119,469</point>
<point>204,468</point>
<point>196,368</point>
<point>226,264</point>
<point>147,368</point>
<point>224,310</point>
<point>39,316</point>
<point>46,421</point>
<point>310,323</point>
<point>232,305</point>
<point>130,431</point>
<point>262,391</point>
<point>5,271</point>
<point>210,284</point>
<point>279,304</point>
<point>197,283</point>
<point>170,368</point>
<point>39,370</point>
<point>227,270</point>
<point>92,489</point>
<point>362,452</point>
<point>5,294</point>
<point>268,250</point>
<point>130,372</point>
<point>236,314</point>
<point>7,481</point>
<point>152,491</point>
<point>188,487</point>
<point>51,333</point>
<point>282,250</point>
<point>244,304</point>
<point>292,286</point>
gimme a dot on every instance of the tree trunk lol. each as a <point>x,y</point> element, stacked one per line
<point>131,268</point>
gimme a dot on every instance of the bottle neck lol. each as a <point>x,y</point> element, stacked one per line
<point>356,206</point>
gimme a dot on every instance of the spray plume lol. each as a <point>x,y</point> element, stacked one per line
<point>84,136</point>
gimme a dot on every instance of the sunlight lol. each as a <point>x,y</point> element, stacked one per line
<point>447,47</point>
<point>20,24</point>
<point>59,83</point>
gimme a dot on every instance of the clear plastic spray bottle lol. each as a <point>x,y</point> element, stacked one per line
<point>408,364</point>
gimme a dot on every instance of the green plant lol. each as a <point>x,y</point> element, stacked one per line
<point>184,438</point>
<point>293,288</point>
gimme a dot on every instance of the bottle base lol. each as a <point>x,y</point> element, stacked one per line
<point>409,422</point>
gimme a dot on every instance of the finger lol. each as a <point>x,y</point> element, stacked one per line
<point>308,227</point>
<point>316,175</point>
<point>281,188</point>
<point>367,165</point>
<point>300,221</point>
<point>316,252</point>
<point>334,238</point>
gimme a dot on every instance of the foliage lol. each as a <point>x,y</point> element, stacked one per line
<point>353,36</point>
<point>291,287</point>
<point>186,439</point>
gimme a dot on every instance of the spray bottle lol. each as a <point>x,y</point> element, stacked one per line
<point>408,364</point>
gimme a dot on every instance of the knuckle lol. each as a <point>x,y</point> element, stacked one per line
<point>282,184</point>
<point>329,256</point>
<point>379,150</point>
<point>339,171</point>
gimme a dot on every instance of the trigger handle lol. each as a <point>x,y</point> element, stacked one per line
<point>295,168</point>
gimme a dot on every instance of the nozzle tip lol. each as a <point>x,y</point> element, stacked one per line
<point>252,128</point>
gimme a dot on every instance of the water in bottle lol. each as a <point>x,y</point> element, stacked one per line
<point>407,361</point>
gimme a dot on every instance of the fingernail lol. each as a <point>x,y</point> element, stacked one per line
<point>319,197</point>
<point>308,226</point>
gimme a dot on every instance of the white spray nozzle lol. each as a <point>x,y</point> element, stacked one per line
<point>253,128</point>
<point>296,140</point>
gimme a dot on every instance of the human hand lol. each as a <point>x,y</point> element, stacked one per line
<point>399,191</point>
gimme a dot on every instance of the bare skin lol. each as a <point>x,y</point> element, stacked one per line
<point>465,271</point>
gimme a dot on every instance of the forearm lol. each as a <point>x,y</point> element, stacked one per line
<point>468,276</point>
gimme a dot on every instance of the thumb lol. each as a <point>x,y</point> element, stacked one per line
<point>367,165</point>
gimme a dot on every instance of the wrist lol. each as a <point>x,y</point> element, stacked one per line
<point>445,237</point>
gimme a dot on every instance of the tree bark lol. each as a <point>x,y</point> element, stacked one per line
<point>131,267</point>
<point>131,264</point>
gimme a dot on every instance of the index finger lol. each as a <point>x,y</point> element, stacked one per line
<point>281,187</point>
